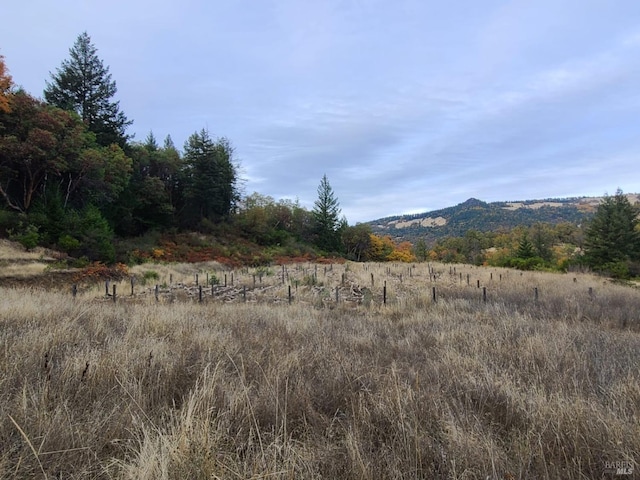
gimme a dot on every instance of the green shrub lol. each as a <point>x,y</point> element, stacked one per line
<point>149,276</point>
<point>618,270</point>
<point>68,243</point>
<point>30,237</point>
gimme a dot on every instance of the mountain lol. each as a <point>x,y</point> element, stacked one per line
<point>478,215</point>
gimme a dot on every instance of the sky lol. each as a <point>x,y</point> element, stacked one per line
<point>407,106</point>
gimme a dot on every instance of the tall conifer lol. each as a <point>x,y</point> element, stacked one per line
<point>84,85</point>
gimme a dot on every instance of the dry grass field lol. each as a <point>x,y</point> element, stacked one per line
<point>246,383</point>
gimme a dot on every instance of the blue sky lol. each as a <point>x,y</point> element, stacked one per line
<point>407,106</point>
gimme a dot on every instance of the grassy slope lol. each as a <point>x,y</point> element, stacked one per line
<point>513,388</point>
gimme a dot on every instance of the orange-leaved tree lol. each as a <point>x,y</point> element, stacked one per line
<point>5,87</point>
<point>384,249</point>
<point>402,253</point>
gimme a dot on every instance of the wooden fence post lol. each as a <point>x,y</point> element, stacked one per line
<point>114,293</point>
<point>74,290</point>
<point>384,293</point>
<point>433,294</point>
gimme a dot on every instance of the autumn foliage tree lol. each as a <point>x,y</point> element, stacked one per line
<point>5,87</point>
<point>384,249</point>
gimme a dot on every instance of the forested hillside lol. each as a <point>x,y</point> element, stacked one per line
<point>477,215</point>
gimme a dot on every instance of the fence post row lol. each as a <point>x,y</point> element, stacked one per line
<point>112,292</point>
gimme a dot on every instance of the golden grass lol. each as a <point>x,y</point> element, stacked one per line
<point>459,388</point>
<point>17,262</point>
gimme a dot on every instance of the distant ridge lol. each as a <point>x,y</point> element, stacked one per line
<point>474,214</point>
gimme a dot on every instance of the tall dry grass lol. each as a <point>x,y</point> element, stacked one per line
<point>459,388</point>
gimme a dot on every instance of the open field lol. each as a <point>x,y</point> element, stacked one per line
<point>247,384</point>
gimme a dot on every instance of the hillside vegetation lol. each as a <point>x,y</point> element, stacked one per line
<point>481,216</point>
<point>539,380</point>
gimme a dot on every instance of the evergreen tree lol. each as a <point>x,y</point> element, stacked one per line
<point>208,181</point>
<point>525,248</point>
<point>613,236</point>
<point>145,204</point>
<point>326,215</point>
<point>84,85</point>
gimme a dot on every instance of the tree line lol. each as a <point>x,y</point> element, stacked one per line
<point>72,178</point>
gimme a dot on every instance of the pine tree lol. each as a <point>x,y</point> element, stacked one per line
<point>84,85</point>
<point>209,179</point>
<point>326,215</point>
<point>613,236</point>
<point>525,248</point>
